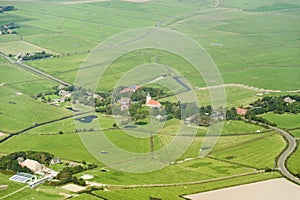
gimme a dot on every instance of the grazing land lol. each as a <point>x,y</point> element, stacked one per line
<point>255,45</point>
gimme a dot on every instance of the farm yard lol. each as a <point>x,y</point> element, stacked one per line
<point>255,45</point>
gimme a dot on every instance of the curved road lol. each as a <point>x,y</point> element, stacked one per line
<point>292,144</point>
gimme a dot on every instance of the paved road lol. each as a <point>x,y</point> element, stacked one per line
<point>292,144</point>
<point>31,69</point>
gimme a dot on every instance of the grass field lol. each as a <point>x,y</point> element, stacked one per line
<point>12,186</point>
<point>259,152</point>
<point>16,101</point>
<point>284,120</point>
<point>293,161</point>
<point>175,192</point>
<point>16,47</point>
<point>246,54</point>
<point>254,43</point>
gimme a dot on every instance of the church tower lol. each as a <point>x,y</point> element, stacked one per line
<point>148,98</point>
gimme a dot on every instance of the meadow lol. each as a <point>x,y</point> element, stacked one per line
<point>285,120</point>
<point>17,103</point>
<point>293,161</point>
<point>254,43</point>
<point>245,55</point>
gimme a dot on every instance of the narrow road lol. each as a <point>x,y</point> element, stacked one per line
<point>281,162</point>
<point>36,71</point>
<point>282,159</point>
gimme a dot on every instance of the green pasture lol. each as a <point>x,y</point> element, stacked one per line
<point>246,54</point>
<point>295,133</point>
<point>294,160</point>
<point>18,109</point>
<point>16,47</point>
<point>284,120</point>
<point>66,146</point>
<point>11,185</point>
<point>9,38</point>
<point>259,152</point>
<point>176,191</point>
<point>201,169</point>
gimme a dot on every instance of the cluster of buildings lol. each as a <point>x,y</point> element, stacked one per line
<point>38,169</point>
<point>7,29</point>
<point>125,102</point>
<point>63,96</point>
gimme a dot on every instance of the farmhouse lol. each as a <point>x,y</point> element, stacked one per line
<point>289,100</point>
<point>131,88</point>
<point>152,103</point>
<point>97,96</point>
<point>33,165</point>
<point>241,111</point>
<point>64,93</point>
<point>125,103</point>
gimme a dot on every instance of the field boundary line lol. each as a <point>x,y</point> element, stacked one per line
<point>246,87</point>
<point>183,183</point>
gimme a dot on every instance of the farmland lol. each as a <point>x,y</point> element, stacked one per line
<point>253,43</point>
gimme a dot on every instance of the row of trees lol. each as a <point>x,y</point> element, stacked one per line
<point>36,56</point>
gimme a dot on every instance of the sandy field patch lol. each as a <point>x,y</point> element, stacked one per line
<point>19,93</point>
<point>275,189</point>
<point>2,134</point>
<point>73,188</point>
<point>3,187</point>
<point>81,2</point>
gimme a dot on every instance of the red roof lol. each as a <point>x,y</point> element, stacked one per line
<point>153,103</point>
<point>241,111</point>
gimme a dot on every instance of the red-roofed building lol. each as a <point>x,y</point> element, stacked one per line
<point>241,111</point>
<point>131,88</point>
<point>152,103</point>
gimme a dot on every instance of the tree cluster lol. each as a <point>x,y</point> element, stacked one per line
<point>36,56</point>
<point>7,28</point>
<point>6,8</point>
<point>276,105</point>
<point>9,162</point>
<point>66,175</point>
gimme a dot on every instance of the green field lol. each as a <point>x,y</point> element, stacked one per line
<point>253,43</point>
<point>293,161</point>
<point>17,103</point>
<point>16,47</point>
<point>284,120</point>
<point>246,54</point>
<point>175,192</point>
